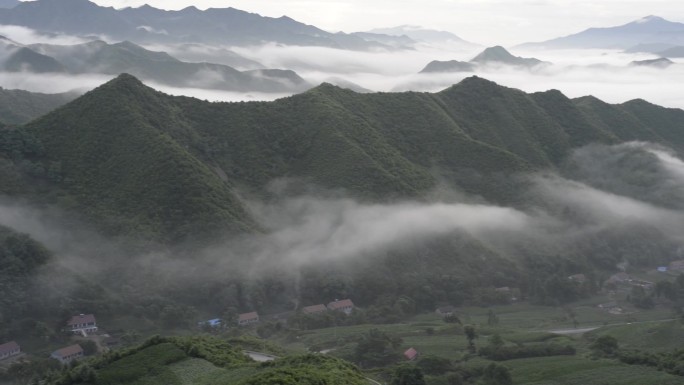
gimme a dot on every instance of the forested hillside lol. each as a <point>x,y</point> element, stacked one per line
<point>472,136</point>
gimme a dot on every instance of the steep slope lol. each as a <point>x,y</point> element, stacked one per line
<point>648,30</point>
<point>123,167</point>
<point>227,26</point>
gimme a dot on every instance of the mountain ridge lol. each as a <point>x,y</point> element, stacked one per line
<point>147,24</point>
<point>197,155</point>
<point>647,30</point>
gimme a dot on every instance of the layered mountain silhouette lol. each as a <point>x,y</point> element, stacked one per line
<point>490,56</point>
<point>98,57</point>
<point>136,161</point>
<point>648,30</point>
<point>146,24</point>
<point>656,63</point>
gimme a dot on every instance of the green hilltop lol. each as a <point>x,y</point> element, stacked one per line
<point>141,162</point>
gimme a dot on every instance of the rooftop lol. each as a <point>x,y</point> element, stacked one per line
<point>68,351</point>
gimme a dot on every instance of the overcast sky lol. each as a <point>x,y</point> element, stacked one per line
<point>487,22</point>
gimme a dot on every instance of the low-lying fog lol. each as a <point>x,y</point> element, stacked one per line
<point>606,74</point>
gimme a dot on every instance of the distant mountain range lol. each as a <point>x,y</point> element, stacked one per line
<point>98,57</point>
<point>420,34</point>
<point>128,154</point>
<point>648,30</point>
<point>490,56</point>
<point>146,24</point>
<point>660,49</point>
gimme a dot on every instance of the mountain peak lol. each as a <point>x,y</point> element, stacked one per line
<point>496,53</point>
<point>649,19</point>
<point>124,80</point>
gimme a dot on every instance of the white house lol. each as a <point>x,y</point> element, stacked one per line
<point>82,324</point>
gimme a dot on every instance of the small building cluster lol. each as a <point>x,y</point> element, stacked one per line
<point>346,306</point>
<point>9,349</point>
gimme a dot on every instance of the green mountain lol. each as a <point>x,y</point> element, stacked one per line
<point>141,162</point>
<point>19,106</point>
<point>129,172</point>
<point>490,56</point>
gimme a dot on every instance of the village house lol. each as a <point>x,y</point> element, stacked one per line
<point>9,349</point>
<point>411,354</point>
<point>248,318</point>
<point>677,265</point>
<point>68,354</point>
<point>446,311</point>
<point>82,324</point>
<point>345,305</point>
<point>314,309</point>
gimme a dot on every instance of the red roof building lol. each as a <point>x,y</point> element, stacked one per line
<point>411,354</point>
<point>68,354</point>
<point>82,324</point>
<point>9,349</point>
<point>313,309</point>
<point>248,318</point>
<point>345,305</point>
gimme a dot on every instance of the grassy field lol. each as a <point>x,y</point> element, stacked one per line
<point>193,370</point>
<point>583,371</point>
<point>528,324</point>
<point>655,336</point>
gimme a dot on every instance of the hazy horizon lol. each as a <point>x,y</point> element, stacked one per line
<point>486,22</point>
